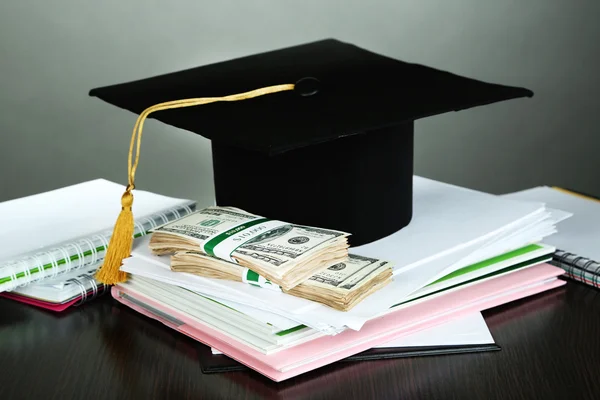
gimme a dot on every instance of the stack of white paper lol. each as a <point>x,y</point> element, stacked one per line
<point>454,231</point>
<point>581,233</point>
<point>468,330</point>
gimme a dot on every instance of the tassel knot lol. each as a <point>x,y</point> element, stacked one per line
<point>126,200</point>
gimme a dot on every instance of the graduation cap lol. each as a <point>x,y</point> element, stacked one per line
<point>318,134</point>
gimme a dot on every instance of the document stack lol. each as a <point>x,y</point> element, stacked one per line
<point>464,251</point>
<point>468,334</point>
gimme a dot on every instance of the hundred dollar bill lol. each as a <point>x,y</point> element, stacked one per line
<point>341,285</point>
<point>347,283</point>
<point>346,275</point>
<point>283,253</point>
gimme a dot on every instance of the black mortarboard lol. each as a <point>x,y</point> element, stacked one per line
<point>335,152</point>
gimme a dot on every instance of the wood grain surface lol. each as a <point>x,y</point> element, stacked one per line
<point>103,350</point>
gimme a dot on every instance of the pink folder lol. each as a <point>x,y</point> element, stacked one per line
<point>58,307</point>
<point>328,349</point>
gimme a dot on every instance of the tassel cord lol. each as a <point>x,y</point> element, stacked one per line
<point>121,240</point>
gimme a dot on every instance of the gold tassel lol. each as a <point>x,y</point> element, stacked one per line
<point>121,240</point>
<point>120,244</point>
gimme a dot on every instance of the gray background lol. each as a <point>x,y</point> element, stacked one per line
<point>52,52</point>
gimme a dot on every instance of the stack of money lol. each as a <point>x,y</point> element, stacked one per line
<point>283,253</point>
<point>341,286</point>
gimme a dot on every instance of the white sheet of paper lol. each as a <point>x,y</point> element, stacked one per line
<point>51,218</point>
<point>468,330</point>
<point>267,317</point>
<point>446,218</point>
<point>580,234</point>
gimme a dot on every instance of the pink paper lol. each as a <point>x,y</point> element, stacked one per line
<point>57,307</point>
<point>280,366</point>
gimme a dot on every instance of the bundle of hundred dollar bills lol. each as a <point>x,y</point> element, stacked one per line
<point>308,262</point>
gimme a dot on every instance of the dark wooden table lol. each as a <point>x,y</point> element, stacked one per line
<point>103,350</point>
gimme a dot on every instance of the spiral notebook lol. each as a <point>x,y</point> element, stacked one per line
<point>54,232</point>
<point>69,289</point>
<point>578,239</point>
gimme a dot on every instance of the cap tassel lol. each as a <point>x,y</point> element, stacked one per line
<point>120,244</point>
<point>121,239</point>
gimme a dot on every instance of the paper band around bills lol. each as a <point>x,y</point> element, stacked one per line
<point>252,278</point>
<point>224,244</point>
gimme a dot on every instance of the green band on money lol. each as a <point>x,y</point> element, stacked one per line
<point>252,276</point>
<point>209,247</point>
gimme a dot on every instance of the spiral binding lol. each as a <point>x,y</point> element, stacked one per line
<point>82,253</point>
<point>578,268</point>
<point>97,290</point>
